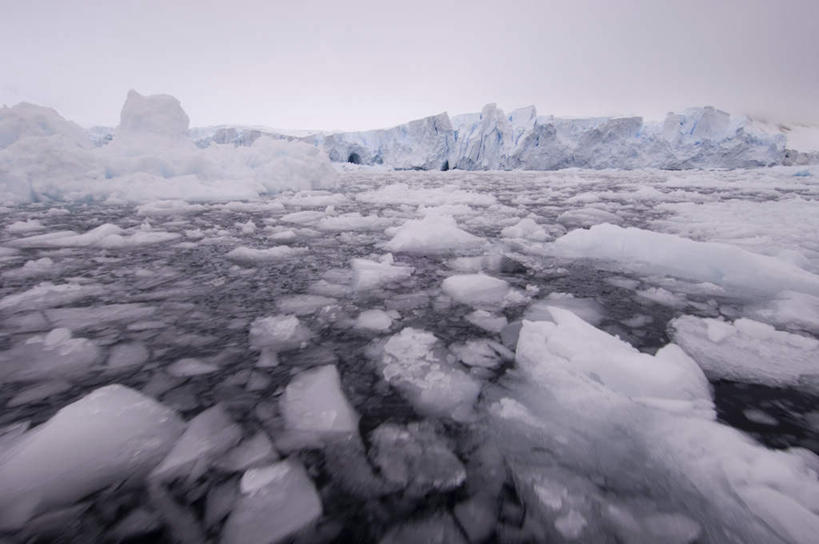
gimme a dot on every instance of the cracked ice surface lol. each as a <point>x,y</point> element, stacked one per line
<point>571,356</point>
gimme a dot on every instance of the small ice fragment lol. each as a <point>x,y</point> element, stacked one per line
<point>190,366</point>
<point>128,354</point>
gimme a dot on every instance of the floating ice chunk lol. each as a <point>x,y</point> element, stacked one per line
<point>446,209</point>
<point>415,458</point>
<point>571,524</point>
<point>28,225</point>
<point>208,435</point>
<point>749,351</point>
<point>303,218</point>
<point>595,355</point>
<point>105,236</point>
<point>487,321</point>
<point>248,228</point>
<point>371,274</point>
<point>586,217</point>
<point>789,309</point>
<point>314,404</point>
<point>353,222</point>
<point>253,451</point>
<point>401,193</point>
<point>168,207</point>
<point>190,366</point>
<point>128,354</point>
<point>314,199</point>
<point>433,234</point>
<point>48,295</point>
<point>251,255</point>
<point>300,305</point>
<point>480,291</point>
<point>662,296</point>
<point>587,309</point>
<point>278,333</point>
<point>50,356</point>
<point>111,434</point>
<point>760,417</point>
<point>32,269</point>
<point>722,264</point>
<point>373,320</point>
<point>527,229</point>
<point>275,502</point>
<point>415,363</point>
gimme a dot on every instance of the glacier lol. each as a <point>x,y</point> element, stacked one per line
<point>492,140</point>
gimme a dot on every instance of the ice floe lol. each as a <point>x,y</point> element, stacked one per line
<point>111,434</point>
<point>749,351</point>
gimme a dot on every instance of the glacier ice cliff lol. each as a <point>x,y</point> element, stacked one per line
<point>492,140</point>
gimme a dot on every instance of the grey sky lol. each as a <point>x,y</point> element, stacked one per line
<point>366,64</point>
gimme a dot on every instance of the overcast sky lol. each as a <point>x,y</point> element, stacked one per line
<point>359,64</point>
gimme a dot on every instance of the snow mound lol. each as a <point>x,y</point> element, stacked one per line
<point>658,253</point>
<point>111,434</point>
<point>749,351</point>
